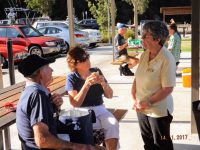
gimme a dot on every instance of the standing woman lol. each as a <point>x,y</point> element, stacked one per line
<point>174,42</point>
<point>85,87</point>
<point>152,88</point>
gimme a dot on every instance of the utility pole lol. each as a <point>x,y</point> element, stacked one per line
<point>136,20</point>
<point>108,12</point>
<point>71,22</point>
<point>113,22</point>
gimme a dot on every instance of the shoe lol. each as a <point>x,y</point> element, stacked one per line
<point>126,71</point>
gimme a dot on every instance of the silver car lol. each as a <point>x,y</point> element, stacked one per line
<point>61,29</point>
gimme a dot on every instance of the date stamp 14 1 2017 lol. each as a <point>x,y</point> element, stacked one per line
<point>176,137</point>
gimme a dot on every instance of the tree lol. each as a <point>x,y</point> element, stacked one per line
<point>100,11</point>
<point>139,7</point>
<point>42,6</point>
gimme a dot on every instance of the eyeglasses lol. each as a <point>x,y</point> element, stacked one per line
<point>144,36</point>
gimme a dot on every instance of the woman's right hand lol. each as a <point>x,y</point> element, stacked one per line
<point>90,80</point>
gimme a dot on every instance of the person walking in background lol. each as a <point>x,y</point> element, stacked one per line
<point>34,117</point>
<point>85,87</point>
<point>172,21</point>
<point>152,88</point>
<point>120,51</point>
<point>174,45</point>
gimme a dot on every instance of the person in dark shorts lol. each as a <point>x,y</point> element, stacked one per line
<point>120,51</point>
<point>36,108</point>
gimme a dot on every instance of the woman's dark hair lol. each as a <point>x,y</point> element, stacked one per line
<point>76,55</point>
<point>174,27</point>
<point>158,30</point>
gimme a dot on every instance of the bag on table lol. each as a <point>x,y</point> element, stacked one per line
<point>77,122</point>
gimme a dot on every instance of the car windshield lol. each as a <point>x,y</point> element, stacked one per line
<point>30,31</point>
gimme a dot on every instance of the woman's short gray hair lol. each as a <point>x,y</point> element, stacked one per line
<point>158,30</point>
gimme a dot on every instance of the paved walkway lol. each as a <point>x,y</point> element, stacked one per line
<point>130,138</point>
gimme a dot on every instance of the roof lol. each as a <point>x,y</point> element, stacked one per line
<point>176,10</point>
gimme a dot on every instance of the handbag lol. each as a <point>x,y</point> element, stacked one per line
<point>77,122</point>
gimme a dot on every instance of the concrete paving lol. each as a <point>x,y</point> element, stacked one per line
<point>130,138</point>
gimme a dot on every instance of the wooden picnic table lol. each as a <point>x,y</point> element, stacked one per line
<point>12,94</point>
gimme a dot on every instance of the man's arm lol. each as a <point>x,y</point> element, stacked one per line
<point>44,139</point>
<point>121,47</point>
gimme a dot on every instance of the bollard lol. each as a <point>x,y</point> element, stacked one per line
<point>10,62</point>
<point>186,77</point>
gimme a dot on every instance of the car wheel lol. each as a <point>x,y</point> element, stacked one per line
<point>92,44</point>
<point>67,48</point>
<point>36,50</point>
<point>4,62</point>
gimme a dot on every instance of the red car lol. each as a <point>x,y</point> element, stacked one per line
<point>34,41</point>
<point>19,53</point>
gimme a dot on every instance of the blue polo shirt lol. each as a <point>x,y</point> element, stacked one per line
<point>94,94</point>
<point>33,107</point>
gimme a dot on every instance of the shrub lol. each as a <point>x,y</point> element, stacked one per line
<point>129,33</point>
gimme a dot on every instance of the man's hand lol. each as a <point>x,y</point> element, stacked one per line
<point>57,99</point>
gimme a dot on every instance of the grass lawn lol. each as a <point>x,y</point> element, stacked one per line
<point>185,46</point>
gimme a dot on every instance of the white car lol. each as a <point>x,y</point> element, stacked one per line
<point>63,32</point>
<point>94,36</point>
<point>61,29</point>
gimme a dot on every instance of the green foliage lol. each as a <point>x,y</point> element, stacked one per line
<point>142,5</point>
<point>42,6</point>
<point>129,33</point>
<point>104,38</point>
<point>99,10</point>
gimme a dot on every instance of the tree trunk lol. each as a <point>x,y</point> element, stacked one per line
<point>136,20</point>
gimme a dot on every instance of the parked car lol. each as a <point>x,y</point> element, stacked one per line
<point>81,37</point>
<point>19,53</point>
<point>34,41</point>
<point>61,29</point>
<point>89,23</point>
<point>142,22</point>
<point>5,21</point>
<point>93,36</point>
<point>63,32</point>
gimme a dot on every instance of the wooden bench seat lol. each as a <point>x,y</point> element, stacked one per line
<point>12,94</point>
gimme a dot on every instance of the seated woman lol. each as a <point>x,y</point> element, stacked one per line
<point>85,87</point>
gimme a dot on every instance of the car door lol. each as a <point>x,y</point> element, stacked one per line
<point>3,37</point>
<point>16,37</point>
